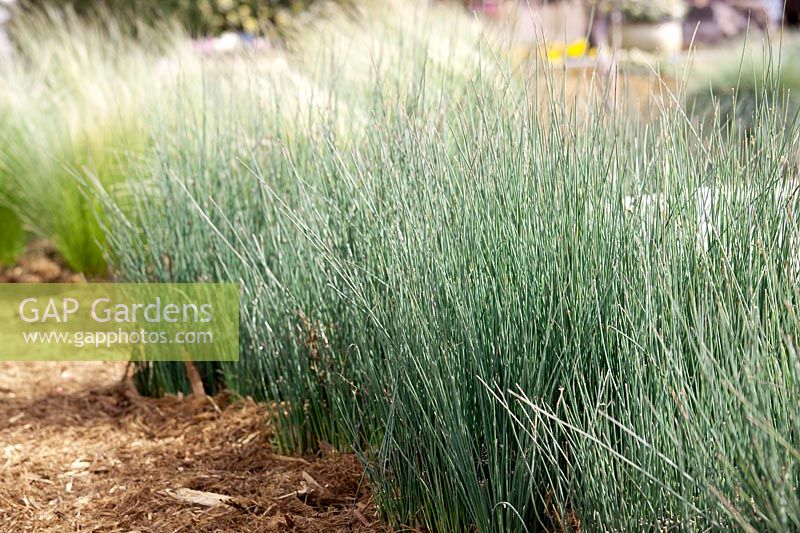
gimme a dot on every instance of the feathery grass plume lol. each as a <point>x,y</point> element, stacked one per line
<point>76,98</point>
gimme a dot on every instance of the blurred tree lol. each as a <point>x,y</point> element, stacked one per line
<point>199,17</point>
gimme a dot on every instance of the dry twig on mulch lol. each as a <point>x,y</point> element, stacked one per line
<point>81,451</point>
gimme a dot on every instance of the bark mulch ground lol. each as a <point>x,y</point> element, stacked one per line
<point>81,450</point>
<point>39,264</point>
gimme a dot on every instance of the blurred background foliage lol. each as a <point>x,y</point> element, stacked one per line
<point>199,17</point>
<point>13,238</point>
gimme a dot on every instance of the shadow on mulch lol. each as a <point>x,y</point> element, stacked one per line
<point>81,450</point>
<point>99,457</point>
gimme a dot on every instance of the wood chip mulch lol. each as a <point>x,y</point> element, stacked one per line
<point>80,450</point>
<point>39,264</point>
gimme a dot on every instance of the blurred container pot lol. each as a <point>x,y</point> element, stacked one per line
<point>665,36</point>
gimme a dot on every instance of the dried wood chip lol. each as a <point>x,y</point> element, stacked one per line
<point>287,459</point>
<point>29,502</point>
<point>249,438</point>
<point>198,497</point>
<point>312,483</point>
<point>79,464</point>
<point>361,518</point>
<point>31,477</point>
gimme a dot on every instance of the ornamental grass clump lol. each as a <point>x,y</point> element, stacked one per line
<point>519,323</point>
<point>734,88</point>
<point>75,98</point>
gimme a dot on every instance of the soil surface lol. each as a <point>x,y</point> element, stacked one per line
<point>81,450</point>
<point>39,264</point>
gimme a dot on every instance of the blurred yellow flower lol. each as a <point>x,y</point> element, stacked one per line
<point>559,51</point>
<point>282,17</point>
<point>250,25</point>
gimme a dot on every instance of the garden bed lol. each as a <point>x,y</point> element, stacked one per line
<point>39,264</point>
<point>81,450</point>
<point>523,302</point>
